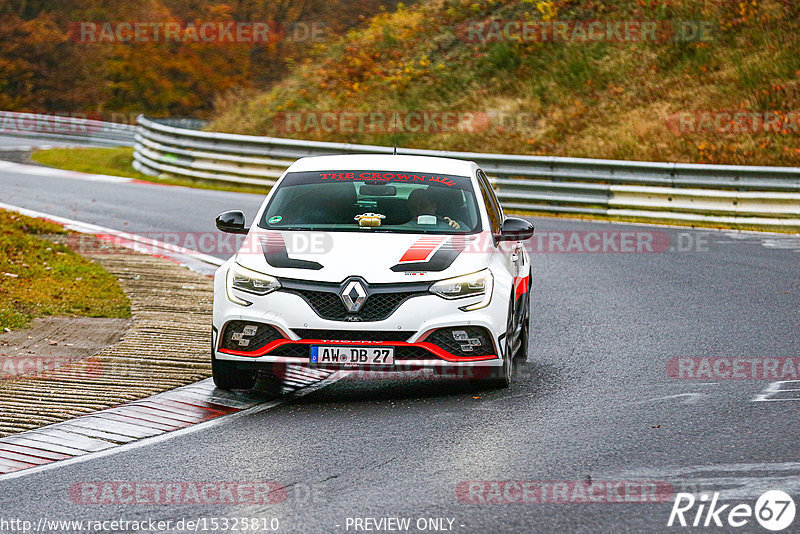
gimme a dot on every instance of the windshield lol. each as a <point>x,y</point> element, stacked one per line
<point>373,201</point>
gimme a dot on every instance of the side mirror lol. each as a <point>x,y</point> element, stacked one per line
<point>515,229</point>
<point>231,222</point>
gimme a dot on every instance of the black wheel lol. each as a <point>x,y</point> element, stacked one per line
<point>501,376</point>
<point>227,376</point>
<point>272,377</point>
<point>522,351</point>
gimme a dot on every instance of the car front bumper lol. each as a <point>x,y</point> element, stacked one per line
<point>410,327</point>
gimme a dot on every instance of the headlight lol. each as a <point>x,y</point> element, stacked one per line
<point>471,285</point>
<point>249,281</point>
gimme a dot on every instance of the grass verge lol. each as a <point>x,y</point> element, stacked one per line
<point>117,162</point>
<point>671,97</point>
<point>39,277</point>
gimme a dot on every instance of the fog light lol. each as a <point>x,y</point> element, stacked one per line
<point>465,342</point>
<point>242,337</point>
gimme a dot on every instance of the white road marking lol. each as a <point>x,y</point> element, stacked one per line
<point>732,481</point>
<point>83,432</point>
<point>766,240</point>
<point>772,391</point>
<point>174,433</point>
<point>691,398</point>
<point>36,170</point>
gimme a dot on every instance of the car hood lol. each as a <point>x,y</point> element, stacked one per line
<point>375,256</point>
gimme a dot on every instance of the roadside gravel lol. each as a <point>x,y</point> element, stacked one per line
<point>166,346</point>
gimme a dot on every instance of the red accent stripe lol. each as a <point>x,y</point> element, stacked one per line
<point>202,404</point>
<point>164,412</point>
<point>422,249</point>
<point>7,466</point>
<point>35,460</point>
<point>145,182</point>
<point>30,451</point>
<point>148,413</point>
<point>184,409</point>
<point>520,286</point>
<point>136,419</point>
<point>430,347</point>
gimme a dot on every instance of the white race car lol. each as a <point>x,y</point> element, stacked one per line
<point>378,263</point>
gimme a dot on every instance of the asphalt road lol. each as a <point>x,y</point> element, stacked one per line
<point>131,207</point>
<point>594,402</point>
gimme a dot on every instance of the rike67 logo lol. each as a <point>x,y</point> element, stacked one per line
<point>774,510</point>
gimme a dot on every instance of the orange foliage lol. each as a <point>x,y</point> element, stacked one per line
<point>45,67</point>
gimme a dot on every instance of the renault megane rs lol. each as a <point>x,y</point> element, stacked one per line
<point>373,262</point>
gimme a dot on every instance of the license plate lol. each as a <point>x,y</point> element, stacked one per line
<point>352,356</point>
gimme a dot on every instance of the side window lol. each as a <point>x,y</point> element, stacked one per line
<point>493,196</point>
<point>492,206</point>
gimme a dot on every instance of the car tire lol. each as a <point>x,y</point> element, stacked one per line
<point>500,378</point>
<point>227,376</point>
<point>522,351</point>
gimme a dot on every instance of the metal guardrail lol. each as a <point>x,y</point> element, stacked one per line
<point>656,192</point>
<point>68,128</point>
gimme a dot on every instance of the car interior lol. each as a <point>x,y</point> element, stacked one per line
<point>342,202</point>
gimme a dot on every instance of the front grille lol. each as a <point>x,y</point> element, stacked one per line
<point>245,339</point>
<point>413,353</point>
<point>377,307</point>
<point>291,350</point>
<point>474,341</point>
<point>353,335</point>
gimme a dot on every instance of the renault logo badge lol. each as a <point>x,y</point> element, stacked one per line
<point>353,296</point>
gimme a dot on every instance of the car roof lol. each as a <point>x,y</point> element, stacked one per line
<point>380,162</point>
